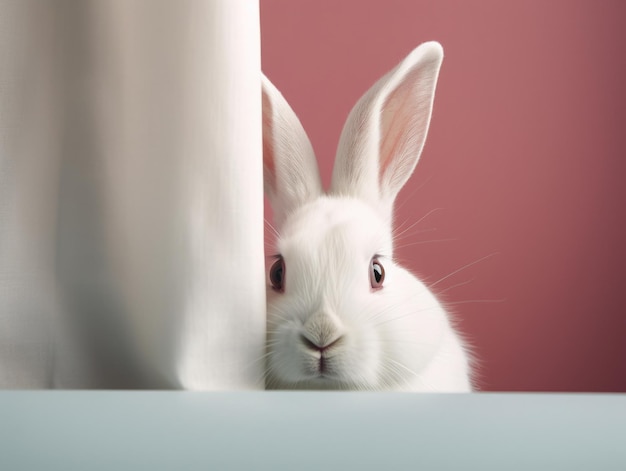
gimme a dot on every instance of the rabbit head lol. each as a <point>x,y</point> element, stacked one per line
<point>342,314</point>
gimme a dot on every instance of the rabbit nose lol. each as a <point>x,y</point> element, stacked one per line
<point>320,346</point>
<point>321,331</point>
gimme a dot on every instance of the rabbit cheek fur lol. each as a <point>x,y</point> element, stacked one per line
<point>330,325</point>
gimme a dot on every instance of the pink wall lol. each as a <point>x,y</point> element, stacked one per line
<point>524,162</point>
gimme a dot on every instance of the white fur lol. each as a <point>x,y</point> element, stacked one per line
<point>395,338</point>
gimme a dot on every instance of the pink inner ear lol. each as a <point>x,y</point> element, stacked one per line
<point>269,170</point>
<point>402,126</point>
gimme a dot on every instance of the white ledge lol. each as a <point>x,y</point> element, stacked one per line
<point>106,430</point>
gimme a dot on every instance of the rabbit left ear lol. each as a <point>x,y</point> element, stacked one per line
<point>290,174</point>
<point>385,132</point>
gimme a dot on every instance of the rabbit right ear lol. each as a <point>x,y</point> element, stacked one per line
<point>290,174</point>
<point>385,132</point>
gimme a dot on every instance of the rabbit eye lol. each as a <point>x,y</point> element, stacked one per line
<point>277,274</point>
<point>377,274</point>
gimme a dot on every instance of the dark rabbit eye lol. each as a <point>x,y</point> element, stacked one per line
<point>377,274</point>
<point>277,274</point>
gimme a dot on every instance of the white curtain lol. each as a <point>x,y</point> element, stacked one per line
<point>131,199</point>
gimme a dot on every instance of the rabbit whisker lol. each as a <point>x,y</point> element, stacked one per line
<point>463,283</point>
<point>410,195</point>
<point>429,241</point>
<point>270,226</point>
<point>397,235</point>
<point>472,301</point>
<point>463,268</point>
<point>403,316</point>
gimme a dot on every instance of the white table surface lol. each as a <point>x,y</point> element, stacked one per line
<point>153,430</point>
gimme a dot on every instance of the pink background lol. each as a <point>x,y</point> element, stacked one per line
<point>524,164</point>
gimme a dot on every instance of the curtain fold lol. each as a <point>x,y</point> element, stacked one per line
<point>131,199</point>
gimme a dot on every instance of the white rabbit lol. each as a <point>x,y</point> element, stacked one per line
<point>341,313</point>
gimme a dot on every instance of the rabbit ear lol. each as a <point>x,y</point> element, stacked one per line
<point>290,172</point>
<point>385,132</point>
